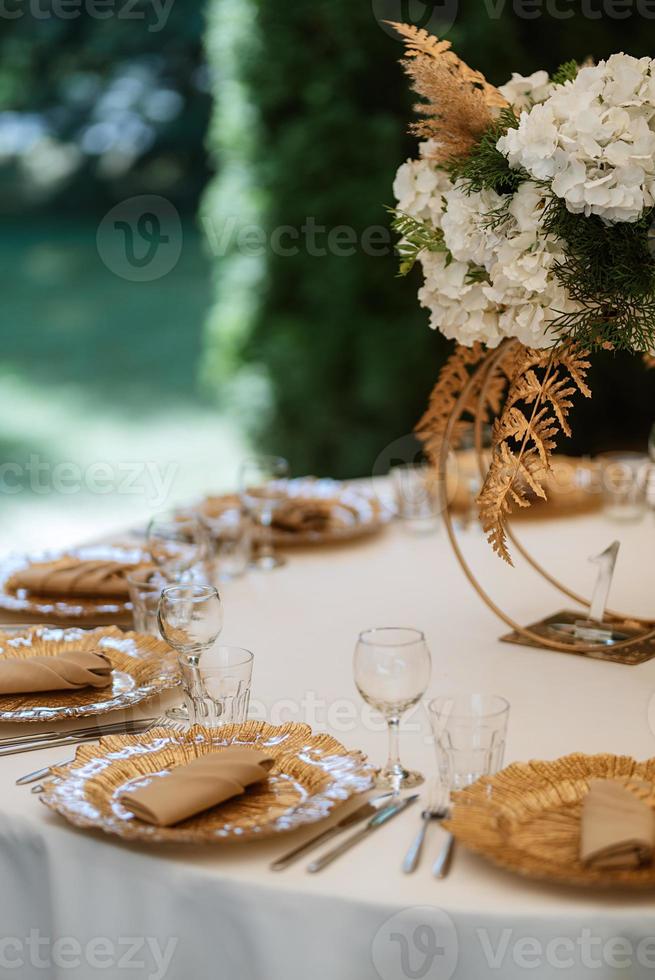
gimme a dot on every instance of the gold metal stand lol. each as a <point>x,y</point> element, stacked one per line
<point>639,645</point>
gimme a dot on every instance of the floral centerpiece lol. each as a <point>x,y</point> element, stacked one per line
<point>531,211</point>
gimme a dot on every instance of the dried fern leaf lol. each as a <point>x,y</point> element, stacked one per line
<point>453,378</point>
<point>537,407</point>
<point>459,103</point>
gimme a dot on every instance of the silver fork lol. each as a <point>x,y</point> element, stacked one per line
<point>32,777</point>
<point>437,809</point>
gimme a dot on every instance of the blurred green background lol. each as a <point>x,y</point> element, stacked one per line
<point>269,128</point>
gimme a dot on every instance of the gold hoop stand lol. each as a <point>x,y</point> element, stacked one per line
<point>640,643</point>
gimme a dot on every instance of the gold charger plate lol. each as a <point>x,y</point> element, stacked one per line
<point>142,667</point>
<point>527,818</point>
<point>357,511</point>
<point>312,775</point>
<point>23,606</point>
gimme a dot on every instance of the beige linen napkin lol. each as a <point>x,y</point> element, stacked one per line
<point>74,577</point>
<point>69,671</point>
<point>197,786</point>
<point>618,828</point>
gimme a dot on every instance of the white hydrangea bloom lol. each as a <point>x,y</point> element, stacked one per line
<point>459,309</point>
<point>593,139</point>
<point>419,186</point>
<point>524,91</point>
<point>465,232</point>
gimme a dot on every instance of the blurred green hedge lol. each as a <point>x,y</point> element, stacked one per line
<point>334,356</point>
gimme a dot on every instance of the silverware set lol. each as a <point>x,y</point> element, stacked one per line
<point>376,812</point>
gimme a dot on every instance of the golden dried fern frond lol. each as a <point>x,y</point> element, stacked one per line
<point>538,404</point>
<point>419,41</point>
<point>459,102</point>
<point>453,378</point>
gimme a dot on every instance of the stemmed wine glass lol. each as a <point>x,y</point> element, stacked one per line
<point>392,668</point>
<point>263,483</point>
<point>190,618</point>
<point>177,542</point>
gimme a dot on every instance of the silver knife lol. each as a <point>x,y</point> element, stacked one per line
<point>132,728</point>
<point>54,735</point>
<point>368,809</point>
<point>374,823</point>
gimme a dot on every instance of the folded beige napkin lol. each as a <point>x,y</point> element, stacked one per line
<point>197,786</point>
<point>74,577</point>
<point>618,828</point>
<point>69,671</point>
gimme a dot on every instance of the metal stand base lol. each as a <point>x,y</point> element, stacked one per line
<point>637,649</point>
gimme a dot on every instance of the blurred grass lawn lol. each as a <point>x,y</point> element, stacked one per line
<point>96,369</point>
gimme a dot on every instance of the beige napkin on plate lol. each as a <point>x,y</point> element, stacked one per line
<point>618,828</point>
<point>81,579</point>
<point>69,671</point>
<point>197,786</point>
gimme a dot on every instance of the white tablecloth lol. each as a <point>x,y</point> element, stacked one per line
<point>75,904</point>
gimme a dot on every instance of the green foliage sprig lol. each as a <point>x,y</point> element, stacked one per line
<point>610,270</point>
<point>416,237</point>
<point>567,72</point>
<point>485,168</point>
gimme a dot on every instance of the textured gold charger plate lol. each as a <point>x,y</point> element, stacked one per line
<point>356,511</point>
<point>312,775</point>
<point>527,818</point>
<point>22,606</point>
<point>142,667</point>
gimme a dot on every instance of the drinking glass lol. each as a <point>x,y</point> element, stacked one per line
<point>190,618</point>
<point>392,668</point>
<point>217,685</point>
<point>416,496</point>
<point>263,485</point>
<point>231,536</point>
<point>177,543</point>
<point>624,482</point>
<point>145,594</point>
<point>469,734</point>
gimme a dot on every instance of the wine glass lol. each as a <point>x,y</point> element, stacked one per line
<point>190,618</point>
<point>177,542</point>
<point>263,483</point>
<point>392,668</point>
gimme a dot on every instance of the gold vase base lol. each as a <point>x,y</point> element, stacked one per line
<point>634,644</point>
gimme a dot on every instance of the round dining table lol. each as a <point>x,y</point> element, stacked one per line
<point>76,903</point>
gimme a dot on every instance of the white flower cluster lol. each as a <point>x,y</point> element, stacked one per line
<point>496,280</point>
<point>591,139</point>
